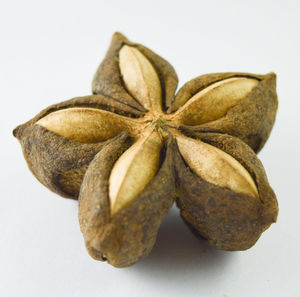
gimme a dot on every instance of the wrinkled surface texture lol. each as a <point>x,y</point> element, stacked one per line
<point>134,147</point>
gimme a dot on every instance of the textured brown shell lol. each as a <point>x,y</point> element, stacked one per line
<point>108,80</point>
<point>130,234</point>
<point>93,101</point>
<point>229,220</point>
<point>58,163</point>
<point>250,120</point>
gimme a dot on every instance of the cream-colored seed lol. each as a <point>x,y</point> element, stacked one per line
<point>87,125</point>
<point>140,77</point>
<point>215,166</point>
<point>214,101</point>
<point>134,170</point>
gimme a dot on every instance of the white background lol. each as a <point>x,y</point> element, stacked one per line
<point>49,52</point>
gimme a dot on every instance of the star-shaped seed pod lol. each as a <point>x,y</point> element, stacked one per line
<point>131,149</point>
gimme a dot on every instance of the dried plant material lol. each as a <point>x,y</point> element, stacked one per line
<point>227,219</point>
<point>215,166</point>
<point>128,235</point>
<point>140,78</point>
<point>52,159</point>
<point>134,171</point>
<point>71,180</point>
<point>87,125</point>
<point>128,151</point>
<point>214,101</point>
<point>251,119</point>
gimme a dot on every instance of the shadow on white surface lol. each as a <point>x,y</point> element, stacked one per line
<point>178,252</point>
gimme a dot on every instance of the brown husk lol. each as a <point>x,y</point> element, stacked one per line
<point>250,120</point>
<point>130,234</point>
<point>93,101</point>
<point>58,163</point>
<point>229,220</point>
<point>108,80</point>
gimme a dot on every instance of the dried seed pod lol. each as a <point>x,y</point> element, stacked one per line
<point>108,81</point>
<point>232,209</point>
<point>127,149</point>
<point>214,101</point>
<point>250,118</point>
<point>216,167</point>
<point>124,234</point>
<point>86,125</point>
<point>137,70</point>
<point>57,162</point>
<point>134,170</point>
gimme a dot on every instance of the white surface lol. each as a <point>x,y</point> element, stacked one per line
<point>49,52</point>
